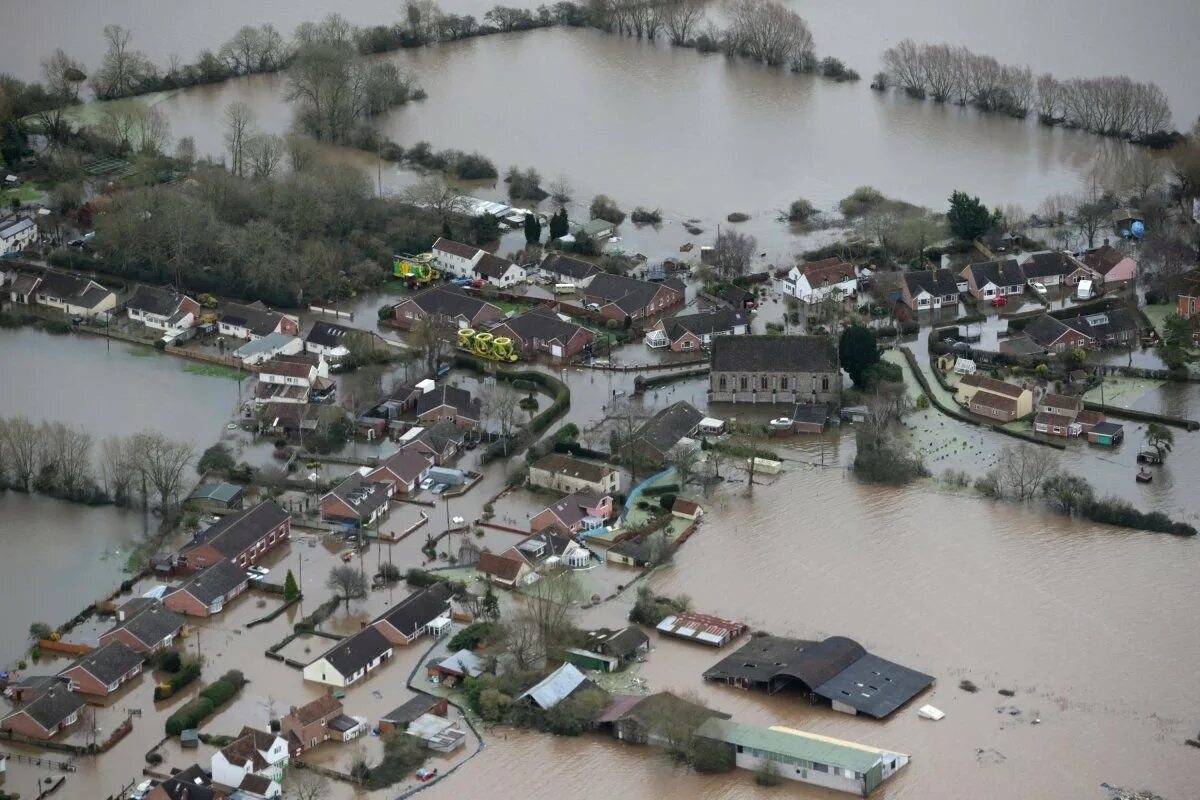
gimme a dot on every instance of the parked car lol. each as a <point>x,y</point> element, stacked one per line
<point>593,307</point>
<point>428,482</point>
<point>999,302</point>
<point>460,281</point>
<point>257,573</point>
<point>1040,288</point>
<point>142,791</point>
<point>441,487</point>
<point>425,774</point>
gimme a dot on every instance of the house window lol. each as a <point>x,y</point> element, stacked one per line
<point>721,383</point>
<point>762,383</point>
<point>783,383</point>
<point>743,383</point>
<point>825,383</point>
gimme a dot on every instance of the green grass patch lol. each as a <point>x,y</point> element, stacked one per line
<point>214,371</point>
<point>26,193</point>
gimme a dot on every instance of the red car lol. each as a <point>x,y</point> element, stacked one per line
<point>999,302</point>
<point>426,774</point>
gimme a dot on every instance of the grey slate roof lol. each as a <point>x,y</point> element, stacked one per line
<point>1045,330</point>
<point>773,354</point>
<point>10,229</point>
<point>415,707</point>
<point>255,317</point>
<point>237,532</point>
<point>664,430</point>
<point>492,266</point>
<point>109,662</point>
<point>1047,263</point>
<point>354,653</point>
<point>151,623</point>
<point>221,491</point>
<point>568,267</point>
<point>542,323</point>
<point>183,785</point>
<point>455,248</point>
<point>938,282</point>
<point>363,496</point>
<point>1105,324</point>
<point>620,644</point>
<point>327,334</point>
<point>1002,273</point>
<point>162,302</point>
<point>418,609</point>
<point>52,706</point>
<point>448,301</point>
<point>444,394</point>
<point>441,435</point>
<point>706,323</point>
<point>214,582</point>
<point>628,294</point>
<point>563,464</point>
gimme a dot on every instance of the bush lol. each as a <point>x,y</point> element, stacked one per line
<point>644,216</point>
<point>39,630</point>
<point>649,608</point>
<point>171,661</point>
<point>860,201</point>
<point>605,208</point>
<point>737,216</point>
<point>401,755</point>
<point>190,716</point>
<point>472,636</point>
<point>667,501</point>
<point>834,68</point>
<point>710,757</point>
<point>187,670</point>
<point>801,211</point>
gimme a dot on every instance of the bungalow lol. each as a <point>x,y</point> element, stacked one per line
<point>1117,326</point>
<point>398,719</point>
<point>991,279</point>
<point>1054,268</point>
<point>564,269</point>
<point>448,403</point>
<point>455,258</point>
<point>358,501</point>
<point>407,621</point>
<point>308,726</point>
<point>631,553</point>
<point>598,230</point>
<point>47,715</point>
<point>625,645</point>
<point>815,281</point>
<point>1052,424</point>
<point>255,321</point>
<point>193,783</point>
<point>403,469</point>
<point>17,234</point>
<point>162,309</point>
<point>261,349</point>
<point>441,442</point>
<point>929,289</point>
<point>497,271</point>
<point>553,546</point>
<point>1053,335</point>
<point>144,625</point>
<point>1086,420</point>
<point>447,303</point>
<point>555,687</point>
<point>104,670</point>
<point>564,473</point>
<point>72,294</point>
<point>994,399</point>
<point>351,659</point>
<point>542,330</point>
<point>208,591</point>
<point>507,569</point>
<point>242,538</point>
<point>576,512</point>
<point>695,331</point>
<point>775,369</point>
<point>619,297</point>
<point>329,340</point>
<point>661,434</point>
<point>25,687</point>
<point>1109,264</point>
<point>254,754</point>
<point>217,496</point>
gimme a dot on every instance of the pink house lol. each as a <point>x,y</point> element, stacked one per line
<point>1110,264</point>
<point>575,512</point>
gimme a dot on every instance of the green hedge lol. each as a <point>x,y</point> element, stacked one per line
<point>188,672</point>
<point>190,716</point>
<point>549,384</point>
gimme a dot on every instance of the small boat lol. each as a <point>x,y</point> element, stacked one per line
<point>929,712</point>
<point>1144,475</point>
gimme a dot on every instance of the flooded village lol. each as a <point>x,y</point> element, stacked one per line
<point>333,468</point>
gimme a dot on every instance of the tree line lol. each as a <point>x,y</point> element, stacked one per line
<point>1110,106</point>
<point>60,460</point>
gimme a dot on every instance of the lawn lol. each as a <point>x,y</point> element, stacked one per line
<point>1121,391</point>
<point>26,193</point>
<point>215,371</point>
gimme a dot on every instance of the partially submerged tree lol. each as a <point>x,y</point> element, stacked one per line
<point>1160,438</point>
<point>857,352</point>
<point>732,252</point>
<point>1020,471</point>
<point>347,582</point>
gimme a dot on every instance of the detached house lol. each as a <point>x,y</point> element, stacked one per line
<point>994,399</point>
<point>1109,264</point>
<point>455,258</point>
<point>145,626</point>
<point>540,330</point>
<point>405,622</point>
<point>815,281</point>
<point>329,340</point>
<point>445,302</point>
<point>162,309</point>
<point>567,270</point>
<point>1055,336</point>
<point>243,538</point>
<point>441,442</point>
<point>662,433</point>
<point>563,473</point>
<point>47,715</point>
<point>506,569</point>
<point>992,279</point>
<point>448,403</point>
<point>618,296</point>
<point>351,659</point>
<point>295,370</point>
<point>358,501</point>
<point>104,670</point>
<point>497,271</point>
<point>308,726</point>
<point>403,469</point>
<point>254,321</point>
<point>1054,268</point>
<point>254,754</point>
<point>208,591</point>
<point>774,369</point>
<point>696,331</point>
<point>1057,415</point>
<point>17,234</point>
<point>929,289</point>
<point>69,293</point>
<point>575,512</point>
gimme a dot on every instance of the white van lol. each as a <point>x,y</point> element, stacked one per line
<point>1084,290</point>
<point>564,288</point>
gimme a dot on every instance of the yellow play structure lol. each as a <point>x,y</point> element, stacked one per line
<point>484,345</point>
<point>417,269</point>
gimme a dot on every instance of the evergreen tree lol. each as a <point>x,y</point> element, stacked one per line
<point>968,217</point>
<point>857,351</point>
<point>447,233</point>
<point>559,225</point>
<point>491,604</point>
<point>533,229</point>
<point>291,590</point>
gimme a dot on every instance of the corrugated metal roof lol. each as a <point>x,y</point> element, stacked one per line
<point>555,687</point>
<point>793,744</point>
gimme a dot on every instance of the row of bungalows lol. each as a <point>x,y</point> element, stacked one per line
<point>461,308</point>
<point>1117,327</point>
<point>693,332</point>
<point>354,657</point>
<point>243,538</point>
<point>619,297</point>
<point>994,399</point>
<point>550,548</point>
<point>70,293</point>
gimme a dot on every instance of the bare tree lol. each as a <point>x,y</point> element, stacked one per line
<point>680,18</point>
<point>347,582</point>
<point>185,150</point>
<point>301,152</point>
<point>905,66</point>
<point>239,128</point>
<point>123,69</point>
<point>550,605</point>
<point>1049,99</point>
<point>1021,470</point>
<point>120,467</point>
<point>732,252</point>
<point>685,461</point>
<point>66,458</point>
<point>1090,213</point>
<point>436,195</point>
<point>63,75</point>
<point>21,451</point>
<point>163,463</point>
<point>304,784</point>
<point>433,336</point>
<point>560,191</point>
<point>521,640</point>
<point>505,405</point>
<point>263,152</point>
<point>768,31</point>
<point>1144,170</point>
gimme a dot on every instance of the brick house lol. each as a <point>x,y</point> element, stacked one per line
<point>1054,268</point>
<point>405,622</point>
<point>445,302</point>
<point>449,403</point>
<point>308,726</point>
<point>618,296</point>
<point>575,512</point>
<point>441,442</point>
<point>242,538</point>
<point>991,279</point>
<point>1110,264</point>
<point>1053,335</point>
<point>994,399</point>
<point>774,369</point>
<point>104,670</point>
<point>540,330</point>
<point>208,591</point>
<point>145,626</point>
<point>692,332</point>
<point>929,289</point>
<point>357,500</point>
<point>47,715</point>
<point>403,469</point>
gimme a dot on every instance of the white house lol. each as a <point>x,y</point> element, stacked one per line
<point>254,763</point>
<point>72,294</point>
<point>17,234</point>
<point>350,660</point>
<point>814,282</point>
<point>499,272</point>
<point>162,309</point>
<point>255,321</point>
<point>328,339</point>
<point>293,370</point>
<point>261,350</point>
<point>456,258</point>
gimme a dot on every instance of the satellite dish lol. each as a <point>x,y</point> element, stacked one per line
<point>1138,229</point>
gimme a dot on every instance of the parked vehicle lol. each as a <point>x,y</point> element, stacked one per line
<point>1039,288</point>
<point>439,488</point>
<point>1084,290</point>
<point>999,302</point>
<point>564,288</point>
<point>425,774</point>
<point>427,483</point>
